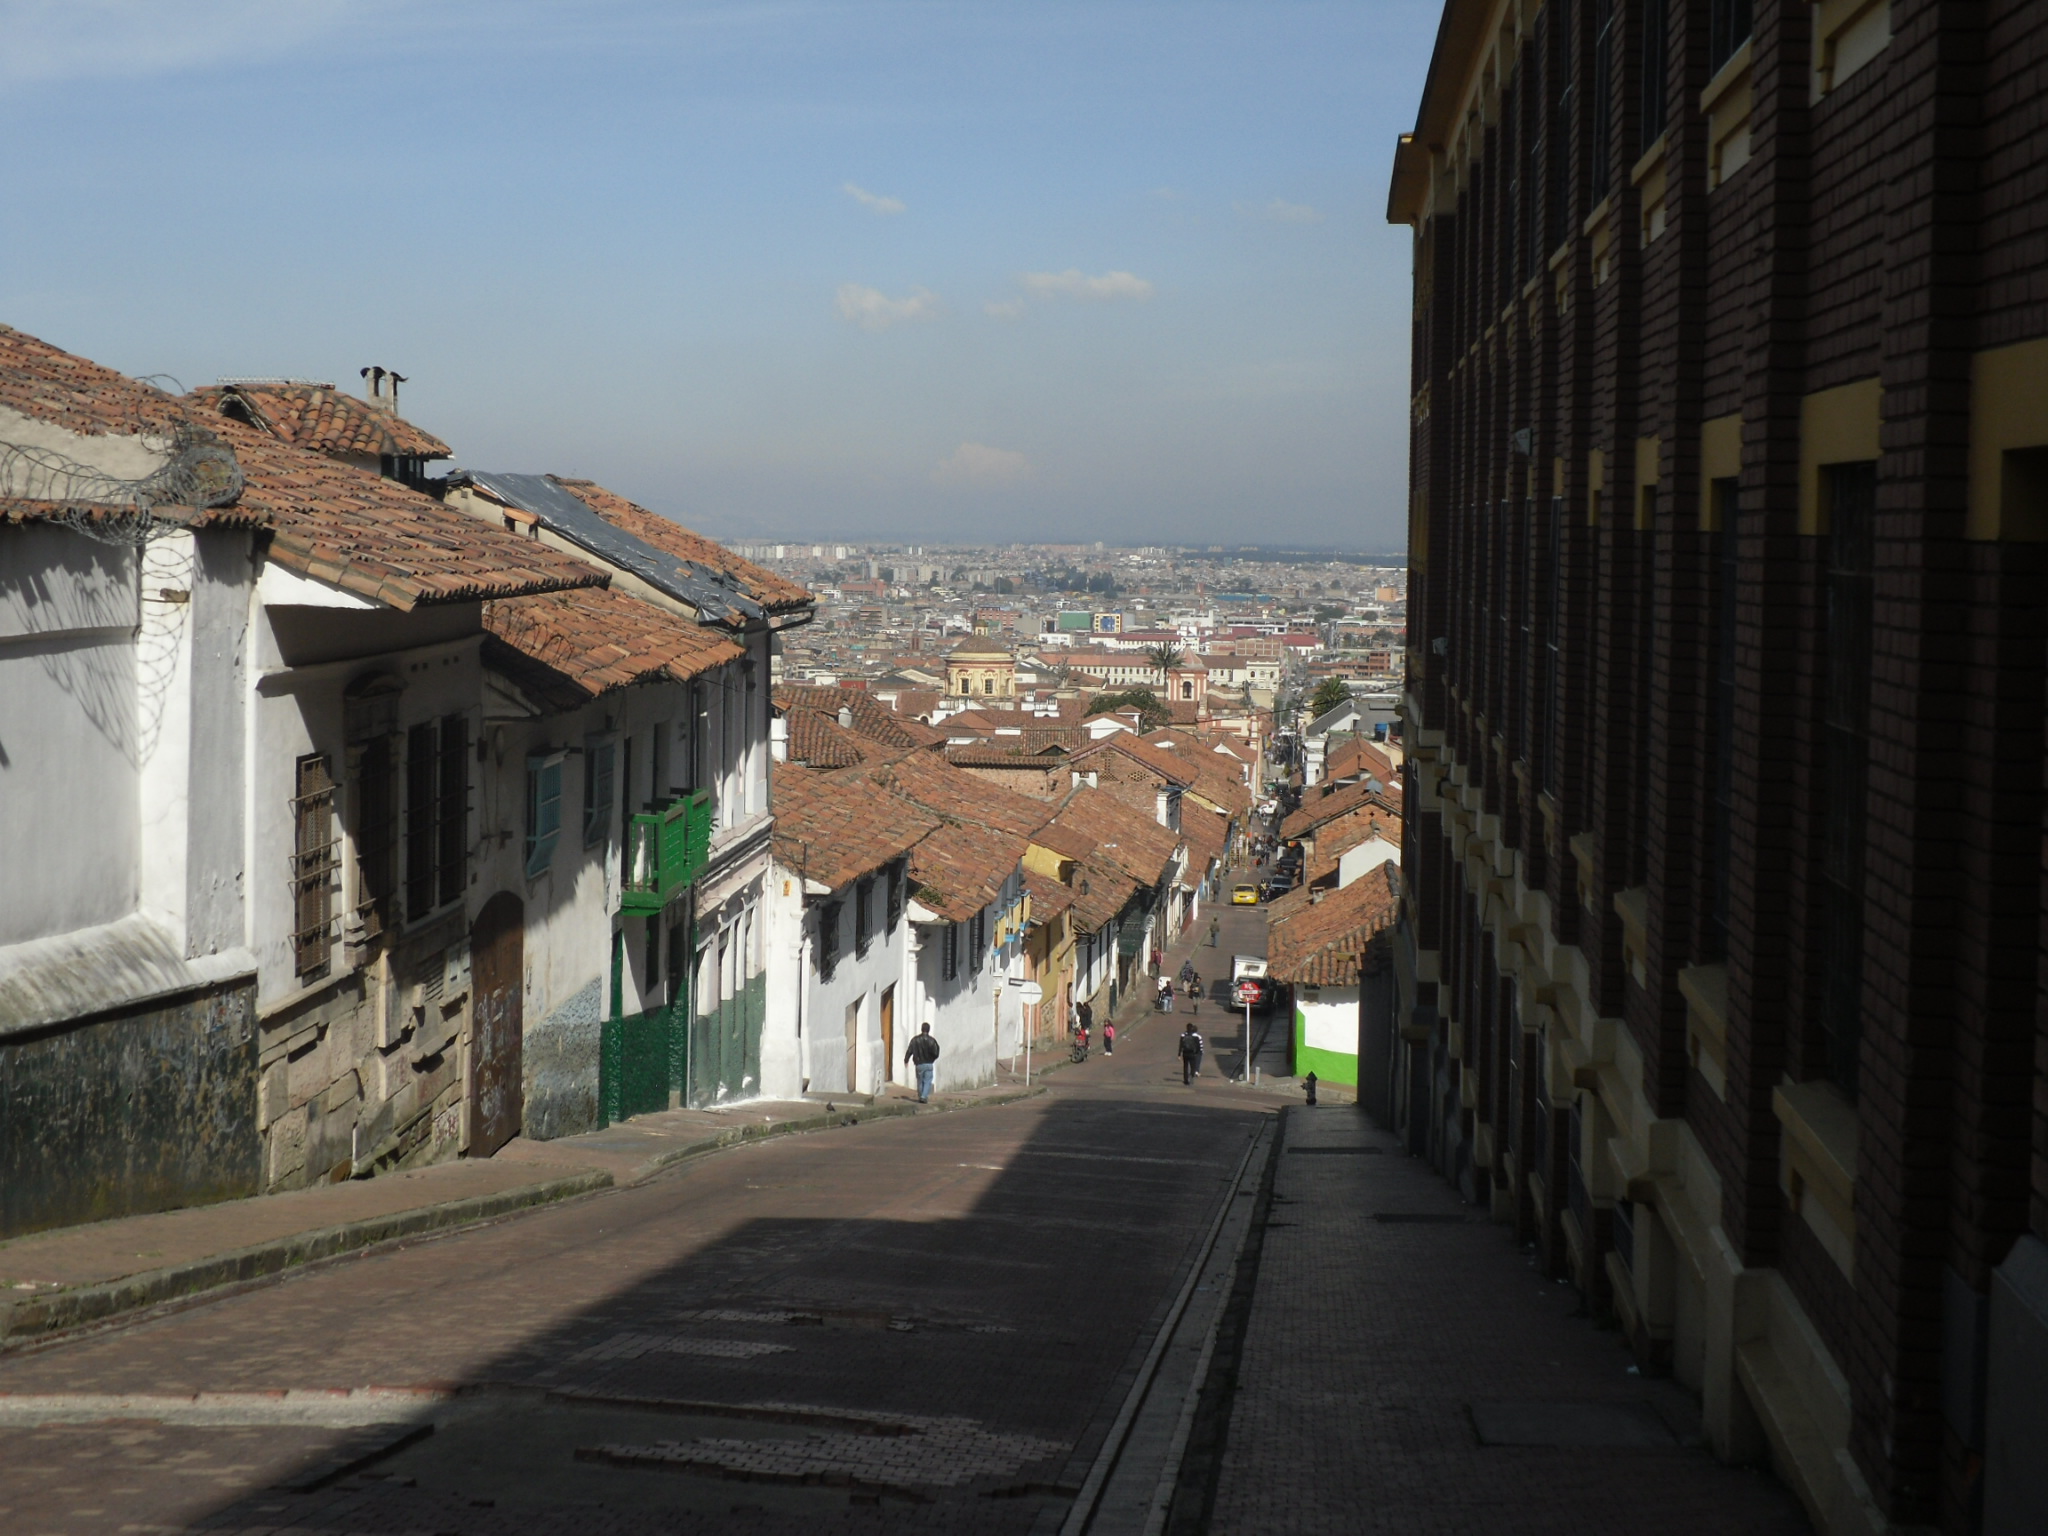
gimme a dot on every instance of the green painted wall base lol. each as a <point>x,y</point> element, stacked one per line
<point>1329,1066</point>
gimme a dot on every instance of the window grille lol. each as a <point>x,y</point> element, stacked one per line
<point>313,867</point>
<point>376,832</point>
<point>543,811</point>
<point>451,809</point>
<point>949,952</point>
<point>977,939</point>
<point>895,895</point>
<point>863,915</point>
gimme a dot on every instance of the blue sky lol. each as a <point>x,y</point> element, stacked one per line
<point>892,270</point>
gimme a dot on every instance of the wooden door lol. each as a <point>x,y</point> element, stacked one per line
<point>889,1031</point>
<point>497,1090</point>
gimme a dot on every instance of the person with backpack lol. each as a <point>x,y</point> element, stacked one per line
<point>1190,1053</point>
<point>923,1053</point>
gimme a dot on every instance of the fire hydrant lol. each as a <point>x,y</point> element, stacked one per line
<point>1309,1086</point>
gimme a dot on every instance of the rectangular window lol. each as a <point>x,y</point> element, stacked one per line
<point>1727,31</point>
<point>977,939</point>
<point>436,814</point>
<point>599,769</point>
<point>422,758</point>
<point>949,952</point>
<point>1558,158</point>
<point>543,810</point>
<point>863,915</point>
<point>1656,78</point>
<point>829,918</point>
<point>376,832</point>
<point>1606,17</point>
<point>1727,496</point>
<point>313,866</point>
<point>452,811</point>
<point>895,895</point>
<point>1850,493</point>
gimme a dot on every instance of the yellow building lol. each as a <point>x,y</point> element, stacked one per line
<point>983,669</point>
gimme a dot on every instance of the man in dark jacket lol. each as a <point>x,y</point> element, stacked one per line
<point>1190,1053</point>
<point>923,1052</point>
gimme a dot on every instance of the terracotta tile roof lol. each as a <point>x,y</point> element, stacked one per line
<point>1319,943</point>
<point>765,587</point>
<point>337,524</point>
<point>1049,898</point>
<point>817,741</point>
<point>1149,760</point>
<point>916,703</point>
<point>992,755</point>
<point>871,717</point>
<point>355,530</point>
<point>567,648</point>
<point>1091,824</point>
<point>985,829</point>
<point>939,786</point>
<point>318,417</point>
<point>48,384</point>
<point>1101,890</point>
<point>1349,759</point>
<point>1316,809</point>
<point>960,868</point>
<point>834,829</point>
<point>27,509</point>
<point>1216,780</point>
<point>1336,838</point>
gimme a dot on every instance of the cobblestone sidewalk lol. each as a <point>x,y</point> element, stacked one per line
<point>1406,1370</point>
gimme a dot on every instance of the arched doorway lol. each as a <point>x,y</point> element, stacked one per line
<point>497,1089</point>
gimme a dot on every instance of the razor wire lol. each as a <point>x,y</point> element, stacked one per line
<point>199,471</point>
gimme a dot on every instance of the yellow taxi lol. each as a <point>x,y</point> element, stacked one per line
<point>1244,896</point>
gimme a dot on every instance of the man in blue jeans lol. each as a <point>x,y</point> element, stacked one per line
<point>923,1052</point>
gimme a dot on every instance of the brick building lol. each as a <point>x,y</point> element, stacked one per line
<point>1722,934</point>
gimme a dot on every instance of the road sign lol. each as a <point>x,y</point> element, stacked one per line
<point>1029,992</point>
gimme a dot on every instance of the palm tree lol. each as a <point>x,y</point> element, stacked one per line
<point>1164,658</point>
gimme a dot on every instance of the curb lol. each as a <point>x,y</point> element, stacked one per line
<point>61,1311</point>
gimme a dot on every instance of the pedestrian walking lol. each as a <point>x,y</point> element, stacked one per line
<point>923,1053</point>
<point>1109,1039</point>
<point>1190,1054</point>
<point>1212,932</point>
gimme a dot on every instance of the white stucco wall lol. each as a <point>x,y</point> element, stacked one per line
<point>69,754</point>
<point>1330,1023</point>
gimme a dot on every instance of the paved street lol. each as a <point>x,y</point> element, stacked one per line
<point>929,1323</point>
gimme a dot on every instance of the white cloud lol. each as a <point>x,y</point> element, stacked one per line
<point>1004,309</point>
<point>1280,211</point>
<point>873,201</point>
<point>977,464</point>
<point>1076,284</point>
<point>873,310</point>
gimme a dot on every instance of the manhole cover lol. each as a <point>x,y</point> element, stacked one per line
<point>1617,1426</point>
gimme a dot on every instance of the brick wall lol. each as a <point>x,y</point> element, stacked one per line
<point>1889,230</point>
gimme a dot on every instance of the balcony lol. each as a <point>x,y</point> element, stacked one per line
<point>664,851</point>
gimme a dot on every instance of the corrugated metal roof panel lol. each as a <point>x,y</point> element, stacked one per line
<point>713,594</point>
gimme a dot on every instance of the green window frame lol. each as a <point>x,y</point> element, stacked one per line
<point>543,810</point>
